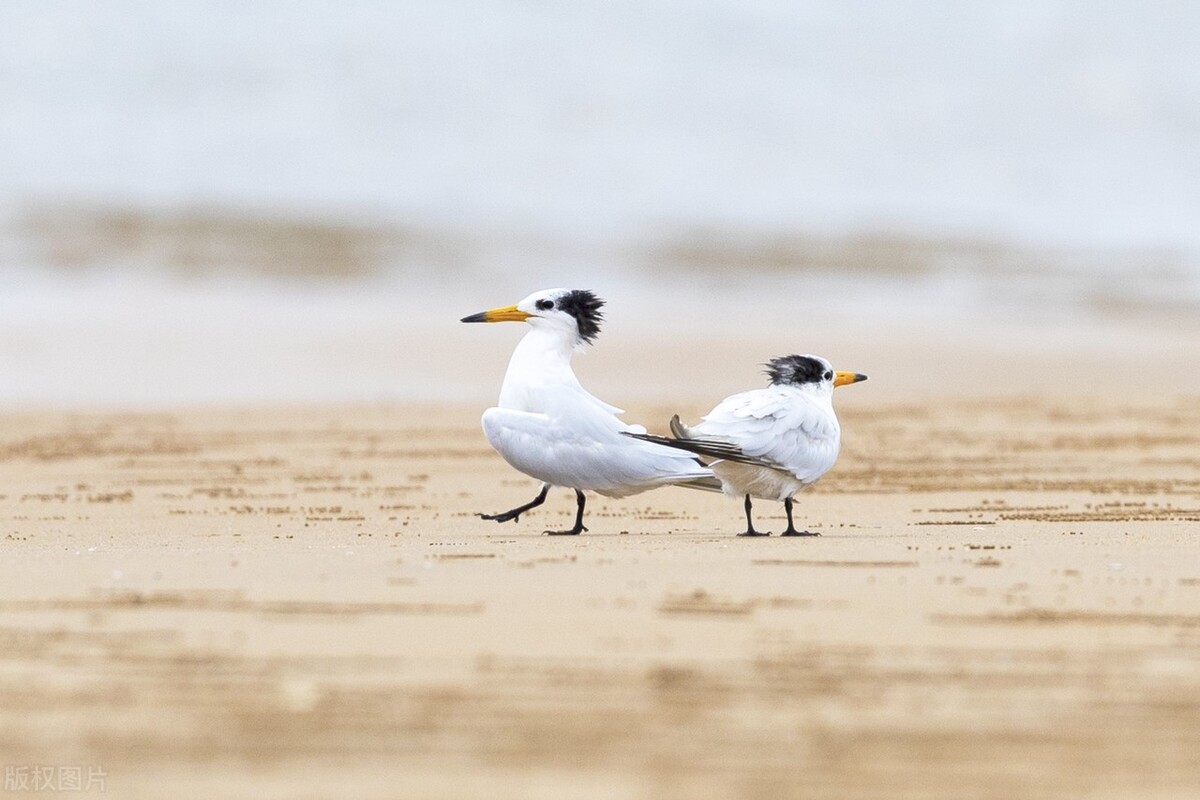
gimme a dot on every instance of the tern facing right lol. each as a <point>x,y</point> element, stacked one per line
<point>770,443</point>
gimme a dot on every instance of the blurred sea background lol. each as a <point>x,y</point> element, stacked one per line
<point>222,202</point>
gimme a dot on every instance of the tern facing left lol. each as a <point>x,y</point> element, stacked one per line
<point>771,443</point>
<point>549,427</point>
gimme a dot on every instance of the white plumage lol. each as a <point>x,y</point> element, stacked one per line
<point>771,443</point>
<point>549,427</point>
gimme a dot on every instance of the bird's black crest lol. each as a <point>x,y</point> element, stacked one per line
<point>795,370</point>
<point>585,308</point>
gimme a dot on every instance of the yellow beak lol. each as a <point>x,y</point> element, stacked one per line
<point>843,378</point>
<point>505,314</point>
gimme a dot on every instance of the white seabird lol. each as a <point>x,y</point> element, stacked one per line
<point>549,427</point>
<point>770,443</point>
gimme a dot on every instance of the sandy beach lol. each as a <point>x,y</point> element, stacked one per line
<point>1004,602</point>
<point>241,465</point>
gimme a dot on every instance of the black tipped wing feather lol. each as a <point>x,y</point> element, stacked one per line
<point>712,448</point>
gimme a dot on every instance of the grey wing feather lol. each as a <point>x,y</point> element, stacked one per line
<point>707,484</point>
<point>712,448</point>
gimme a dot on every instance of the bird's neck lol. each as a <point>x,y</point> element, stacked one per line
<point>541,362</point>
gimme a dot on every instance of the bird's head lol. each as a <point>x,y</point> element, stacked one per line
<point>809,372</point>
<point>573,312</point>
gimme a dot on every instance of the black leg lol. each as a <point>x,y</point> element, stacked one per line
<point>578,529</point>
<point>750,523</point>
<point>791,529</point>
<point>516,513</point>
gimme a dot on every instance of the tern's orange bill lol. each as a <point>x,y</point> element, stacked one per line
<point>503,314</point>
<point>844,378</point>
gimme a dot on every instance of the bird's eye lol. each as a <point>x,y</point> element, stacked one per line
<point>828,375</point>
<point>545,305</point>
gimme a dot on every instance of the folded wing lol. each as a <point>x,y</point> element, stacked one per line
<point>586,451</point>
<point>774,428</point>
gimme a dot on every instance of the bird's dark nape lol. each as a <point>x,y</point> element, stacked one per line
<point>795,370</point>
<point>585,307</point>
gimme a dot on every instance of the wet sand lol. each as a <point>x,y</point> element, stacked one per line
<point>1004,602</point>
